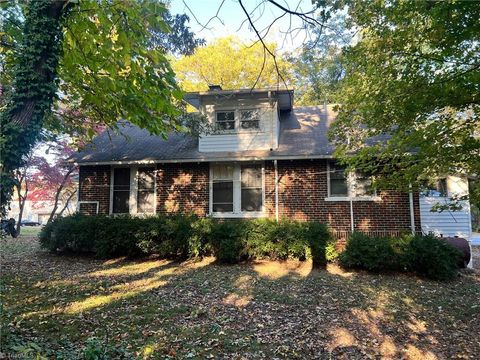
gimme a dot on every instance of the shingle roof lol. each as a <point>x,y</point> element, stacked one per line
<point>303,134</point>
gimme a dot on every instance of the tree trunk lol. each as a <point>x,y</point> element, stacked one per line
<point>57,195</point>
<point>21,206</point>
<point>34,86</point>
<point>66,203</point>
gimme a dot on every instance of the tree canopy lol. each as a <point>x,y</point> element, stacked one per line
<point>230,63</point>
<point>100,60</point>
<point>413,77</point>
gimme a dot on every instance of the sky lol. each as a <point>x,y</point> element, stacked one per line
<point>232,20</point>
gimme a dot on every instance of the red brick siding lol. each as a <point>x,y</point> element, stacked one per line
<point>94,185</point>
<point>302,193</point>
<point>183,187</point>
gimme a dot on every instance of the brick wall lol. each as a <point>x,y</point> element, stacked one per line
<point>183,187</point>
<point>303,190</point>
<point>302,193</point>
<point>94,185</point>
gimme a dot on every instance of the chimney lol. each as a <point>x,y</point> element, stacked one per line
<point>214,88</point>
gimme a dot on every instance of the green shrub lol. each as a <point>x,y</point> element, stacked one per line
<point>370,253</point>
<point>180,236</point>
<point>227,240</point>
<point>432,257</point>
<point>424,255</point>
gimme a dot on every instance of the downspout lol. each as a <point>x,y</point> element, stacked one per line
<point>412,212</point>
<point>276,189</point>
<point>352,224</point>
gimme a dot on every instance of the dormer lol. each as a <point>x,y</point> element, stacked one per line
<point>241,120</point>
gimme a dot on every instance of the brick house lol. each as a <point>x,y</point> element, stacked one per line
<point>266,158</point>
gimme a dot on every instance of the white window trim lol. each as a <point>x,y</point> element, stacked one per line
<point>330,197</point>
<point>132,200</point>
<point>237,117</point>
<point>237,194</point>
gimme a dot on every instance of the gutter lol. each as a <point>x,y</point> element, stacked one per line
<point>220,159</point>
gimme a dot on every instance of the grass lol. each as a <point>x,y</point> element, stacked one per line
<point>30,230</point>
<point>59,306</point>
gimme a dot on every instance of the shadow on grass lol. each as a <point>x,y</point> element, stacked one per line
<point>265,308</point>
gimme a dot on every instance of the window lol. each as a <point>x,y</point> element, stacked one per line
<point>237,189</point>
<point>251,188</point>
<point>436,189</point>
<point>249,119</point>
<point>225,120</point>
<point>351,185</point>
<point>338,181</point>
<point>222,188</point>
<point>121,190</point>
<point>146,190</point>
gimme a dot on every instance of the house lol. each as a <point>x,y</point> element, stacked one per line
<point>266,158</point>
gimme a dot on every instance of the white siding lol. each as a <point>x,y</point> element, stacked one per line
<point>447,223</point>
<point>263,139</point>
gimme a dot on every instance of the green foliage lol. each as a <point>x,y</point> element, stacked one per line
<point>108,61</point>
<point>318,69</point>
<point>412,74</point>
<point>371,253</point>
<point>231,64</point>
<point>432,257</point>
<point>424,255</point>
<point>180,236</point>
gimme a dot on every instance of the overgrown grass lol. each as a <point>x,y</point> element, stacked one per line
<point>72,307</point>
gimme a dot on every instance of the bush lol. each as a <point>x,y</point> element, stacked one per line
<point>432,257</point>
<point>180,236</point>
<point>424,255</point>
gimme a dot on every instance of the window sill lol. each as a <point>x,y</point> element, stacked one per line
<point>244,215</point>
<point>346,198</point>
<point>234,132</point>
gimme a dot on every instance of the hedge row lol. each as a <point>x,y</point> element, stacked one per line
<point>183,236</point>
<point>426,256</point>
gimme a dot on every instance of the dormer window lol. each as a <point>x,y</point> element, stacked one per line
<point>249,119</point>
<point>225,120</point>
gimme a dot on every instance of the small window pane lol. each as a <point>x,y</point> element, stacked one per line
<point>146,190</point>
<point>146,178</point>
<point>120,202</point>
<point>146,202</point>
<point>121,178</point>
<point>338,181</point>
<point>121,190</point>
<point>249,119</point>
<point>223,190</point>
<point>222,172</point>
<point>251,188</point>
<point>225,120</point>
<point>252,199</point>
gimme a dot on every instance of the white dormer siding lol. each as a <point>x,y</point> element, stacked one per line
<point>265,137</point>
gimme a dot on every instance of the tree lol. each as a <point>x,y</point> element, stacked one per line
<point>412,82</point>
<point>231,64</point>
<point>101,57</point>
<point>318,68</point>
<point>52,182</point>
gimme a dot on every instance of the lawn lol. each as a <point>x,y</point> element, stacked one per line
<point>69,306</point>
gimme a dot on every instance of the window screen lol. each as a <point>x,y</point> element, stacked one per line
<point>222,188</point>
<point>146,190</point>
<point>338,181</point>
<point>225,120</point>
<point>251,188</point>
<point>121,190</point>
